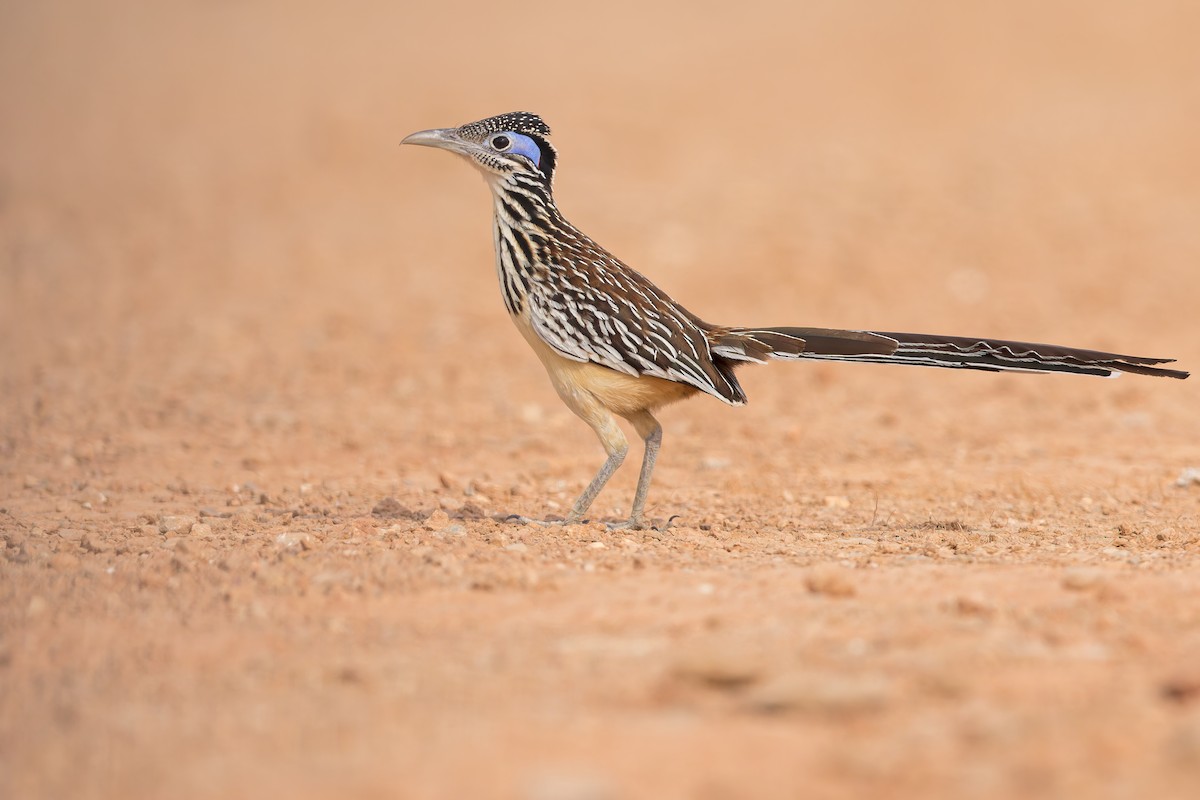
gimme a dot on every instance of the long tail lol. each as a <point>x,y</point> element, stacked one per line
<point>954,352</point>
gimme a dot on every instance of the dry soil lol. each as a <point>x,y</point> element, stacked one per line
<point>263,417</point>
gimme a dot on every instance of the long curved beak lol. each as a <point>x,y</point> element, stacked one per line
<point>442,138</point>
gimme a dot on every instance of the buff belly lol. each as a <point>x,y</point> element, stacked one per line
<point>584,385</point>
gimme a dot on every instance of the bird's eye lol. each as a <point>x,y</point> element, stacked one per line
<point>501,142</point>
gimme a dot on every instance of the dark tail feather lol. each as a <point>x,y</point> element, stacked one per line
<point>760,344</point>
<point>954,352</point>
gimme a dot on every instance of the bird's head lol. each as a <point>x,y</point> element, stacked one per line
<point>499,146</point>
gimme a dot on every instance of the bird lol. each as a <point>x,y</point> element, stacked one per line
<point>617,346</point>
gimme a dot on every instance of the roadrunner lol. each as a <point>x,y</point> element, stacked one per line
<point>615,345</point>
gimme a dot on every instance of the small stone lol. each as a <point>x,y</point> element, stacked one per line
<point>201,530</point>
<point>597,546</point>
<point>1183,688</point>
<point>69,534</point>
<point>437,520</point>
<point>139,544</point>
<point>19,555</point>
<point>516,547</point>
<point>718,665</point>
<point>470,510</point>
<point>450,504</point>
<point>837,501</point>
<point>833,694</point>
<point>94,544</point>
<point>295,541</point>
<point>973,605</point>
<point>830,581</point>
<point>393,509</point>
<point>1189,477</point>
<point>175,524</point>
<point>1081,579</point>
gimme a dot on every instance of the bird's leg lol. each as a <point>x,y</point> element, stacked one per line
<point>651,432</point>
<point>616,445</point>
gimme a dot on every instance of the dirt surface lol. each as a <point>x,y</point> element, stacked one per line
<point>262,415</point>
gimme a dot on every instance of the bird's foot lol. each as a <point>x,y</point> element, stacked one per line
<point>631,524</point>
<point>520,519</point>
<point>641,524</point>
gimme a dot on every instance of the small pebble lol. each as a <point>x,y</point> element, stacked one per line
<point>175,524</point>
<point>69,534</point>
<point>94,544</point>
<point>1182,688</point>
<point>973,605</point>
<point>834,694</point>
<point>295,541</point>
<point>389,507</point>
<point>719,665</point>
<point>830,581</point>
<point>1189,477</point>
<point>437,520</point>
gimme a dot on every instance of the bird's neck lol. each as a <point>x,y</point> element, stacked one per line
<point>523,201</point>
<point>524,216</point>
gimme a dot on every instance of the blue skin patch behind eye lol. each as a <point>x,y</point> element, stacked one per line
<point>524,146</point>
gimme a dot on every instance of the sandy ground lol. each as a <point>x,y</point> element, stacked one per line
<point>262,415</point>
